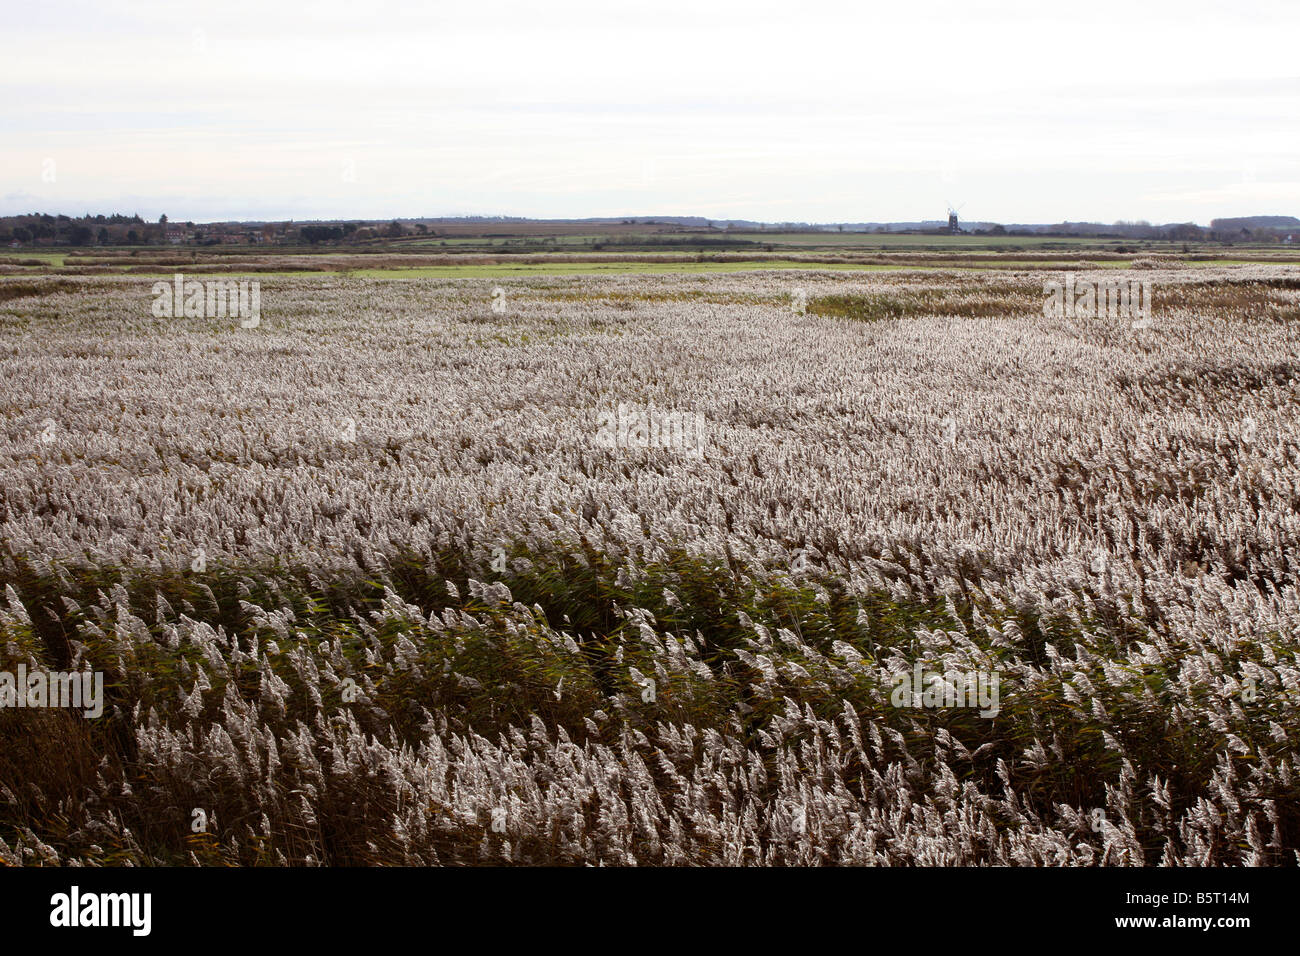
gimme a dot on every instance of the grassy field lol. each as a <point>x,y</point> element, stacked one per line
<point>861,240</point>
<point>944,242</point>
<point>621,268</point>
<point>469,257</point>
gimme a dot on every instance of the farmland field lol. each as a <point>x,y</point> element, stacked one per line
<point>371,583</point>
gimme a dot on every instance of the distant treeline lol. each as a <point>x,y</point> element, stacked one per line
<point>315,234</point>
<point>1282,223</point>
<point>1251,228</point>
<point>122,230</point>
<point>83,231</point>
<point>45,229</point>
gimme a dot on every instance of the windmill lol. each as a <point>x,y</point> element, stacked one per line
<point>953,227</point>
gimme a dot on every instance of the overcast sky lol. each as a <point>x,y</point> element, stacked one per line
<point>794,111</point>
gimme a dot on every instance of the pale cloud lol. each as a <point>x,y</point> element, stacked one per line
<point>822,111</point>
<point>1241,194</point>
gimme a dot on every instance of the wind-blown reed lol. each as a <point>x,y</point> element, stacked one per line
<point>920,467</point>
